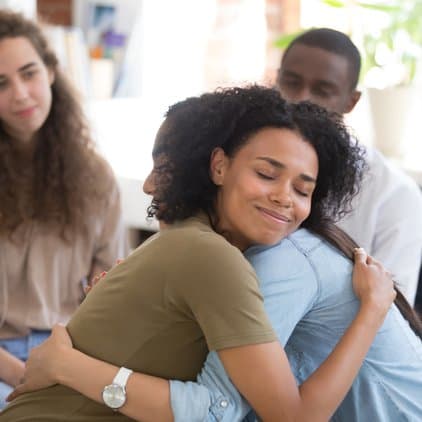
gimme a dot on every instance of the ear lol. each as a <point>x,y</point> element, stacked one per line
<point>218,164</point>
<point>353,99</point>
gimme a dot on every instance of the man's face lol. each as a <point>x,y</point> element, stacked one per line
<point>316,75</point>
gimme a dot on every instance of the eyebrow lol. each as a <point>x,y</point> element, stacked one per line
<point>290,73</point>
<point>22,69</point>
<point>278,165</point>
<point>27,66</point>
<point>323,82</point>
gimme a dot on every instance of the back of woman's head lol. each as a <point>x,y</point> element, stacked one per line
<point>227,118</point>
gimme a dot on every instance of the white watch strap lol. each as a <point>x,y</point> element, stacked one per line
<point>122,376</point>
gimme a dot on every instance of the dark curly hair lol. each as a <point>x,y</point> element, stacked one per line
<point>65,176</point>
<point>227,118</point>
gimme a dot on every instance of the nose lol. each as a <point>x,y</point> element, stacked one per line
<point>149,184</point>
<point>303,94</point>
<point>282,196</point>
<point>20,90</point>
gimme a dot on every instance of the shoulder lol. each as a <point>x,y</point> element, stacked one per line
<point>384,187</point>
<point>300,244</point>
<point>207,248</point>
<point>388,175</point>
<point>331,268</point>
<point>104,178</point>
<point>289,260</point>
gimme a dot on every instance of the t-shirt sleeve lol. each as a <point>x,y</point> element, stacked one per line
<point>221,291</point>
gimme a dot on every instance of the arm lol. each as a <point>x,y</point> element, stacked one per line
<point>11,368</point>
<point>268,384</point>
<point>57,362</point>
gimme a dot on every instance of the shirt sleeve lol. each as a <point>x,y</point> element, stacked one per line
<point>387,221</point>
<point>287,281</point>
<point>398,238</point>
<point>220,291</point>
<point>212,398</point>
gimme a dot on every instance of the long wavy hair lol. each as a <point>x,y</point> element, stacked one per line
<point>64,176</point>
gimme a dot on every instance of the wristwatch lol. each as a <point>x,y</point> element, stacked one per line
<point>114,394</point>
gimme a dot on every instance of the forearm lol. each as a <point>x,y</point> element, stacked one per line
<point>148,398</point>
<point>11,368</point>
<point>324,390</point>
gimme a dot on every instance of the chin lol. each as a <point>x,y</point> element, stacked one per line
<point>270,240</point>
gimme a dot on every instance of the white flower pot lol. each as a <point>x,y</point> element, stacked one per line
<point>391,109</point>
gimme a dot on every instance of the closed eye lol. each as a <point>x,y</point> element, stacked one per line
<point>302,193</point>
<point>265,176</point>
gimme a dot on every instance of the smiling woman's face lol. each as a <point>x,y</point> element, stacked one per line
<point>265,188</point>
<point>25,88</point>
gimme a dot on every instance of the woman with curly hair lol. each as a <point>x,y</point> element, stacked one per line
<point>232,169</point>
<point>59,202</point>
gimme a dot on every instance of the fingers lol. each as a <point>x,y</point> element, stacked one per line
<point>98,278</point>
<point>360,255</point>
<point>87,289</point>
<point>372,261</point>
<point>20,389</point>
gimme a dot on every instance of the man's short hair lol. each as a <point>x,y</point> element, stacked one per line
<point>334,42</point>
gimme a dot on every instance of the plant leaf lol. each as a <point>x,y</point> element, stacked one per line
<point>283,41</point>
<point>334,3</point>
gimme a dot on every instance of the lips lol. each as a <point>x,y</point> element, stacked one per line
<point>25,112</point>
<point>274,215</point>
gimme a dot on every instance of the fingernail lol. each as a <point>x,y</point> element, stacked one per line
<point>359,250</point>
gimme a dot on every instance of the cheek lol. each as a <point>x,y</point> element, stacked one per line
<point>41,89</point>
<point>304,210</point>
<point>47,96</point>
<point>4,108</point>
<point>251,192</point>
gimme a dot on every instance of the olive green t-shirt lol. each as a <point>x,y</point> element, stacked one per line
<point>183,292</point>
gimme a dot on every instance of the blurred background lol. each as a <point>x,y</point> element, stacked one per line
<point>130,59</point>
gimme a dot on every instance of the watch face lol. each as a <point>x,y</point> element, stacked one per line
<point>114,396</point>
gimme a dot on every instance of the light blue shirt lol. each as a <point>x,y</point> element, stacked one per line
<point>309,298</point>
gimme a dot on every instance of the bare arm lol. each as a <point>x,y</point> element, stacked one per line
<point>148,398</point>
<point>56,362</point>
<point>268,383</point>
<point>11,368</point>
